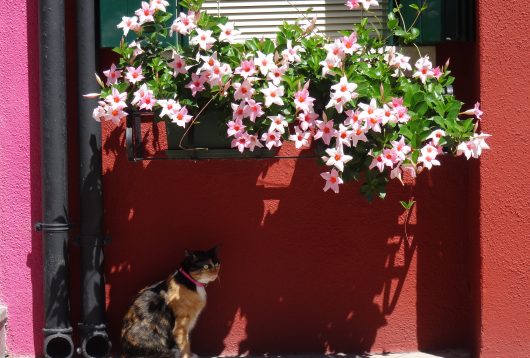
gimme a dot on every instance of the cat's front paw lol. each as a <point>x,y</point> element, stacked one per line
<point>189,355</point>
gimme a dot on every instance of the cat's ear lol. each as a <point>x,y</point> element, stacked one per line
<point>214,250</point>
<point>189,253</point>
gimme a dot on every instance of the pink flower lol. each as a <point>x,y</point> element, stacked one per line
<point>352,4</point>
<point>428,156</point>
<point>307,120</point>
<point>147,101</point>
<point>140,93</point>
<point>273,94</point>
<point>117,99</point>
<point>390,157</point>
<point>372,115</point>
<point>475,111</point>
<point>159,5</point>
<point>100,112</point>
<point>184,23</point>
<point>424,69</point>
<point>129,23</point>
<point>303,101</point>
<point>253,142</point>
<point>291,53</point>
<point>217,72</point>
<point>204,39</point>
<point>378,162</point>
<point>389,115</point>
<point>228,32</point>
<point>181,117</point>
<point>325,131</point>
<point>112,75</point>
<point>350,44</point>
<point>437,73</point>
<point>353,119</point>
<point>276,74</point>
<point>343,136</point>
<point>243,90</point>
<point>115,115</point>
<point>328,65</point>
<point>196,84</point>
<point>169,107</point>
<point>134,74</point>
<point>145,14</point>
<point>401,148</point>
<point>264,62</point>
<point>254,110</point>
<point>240,141</point>
<point>278,124</point>
<point>272,139</point>
<point>332,180</point>
<point>367,3</point>
<point>358,135</point>
<point>235,127</point>
<point>337,158</point>
<point>178,65</point>
<point>335,50</point>
<point>246,69</point>
<point>239,111</point>
<point>473,147</point>
<point>436,136</point>
<point>301,138</point>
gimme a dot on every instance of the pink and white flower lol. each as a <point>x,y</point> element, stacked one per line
<point>428,156</point>
<point>246,69</point>
<point>178,65</point>
<point>353,119</point>
<point>264,62</point>
<point>423,69</point>
<point>272,139</point>
<point>159,5</point>
<point>332,180</point>
<point>235,127</point>
<point>134,74</point>
<point>196,84</point>
<point>352,4</point>
<point>100,112</point>
<point>276,74</point>
<point>112,75</point>
<point>240,141</point>
<point>325,131</point>
<point>401,148</point>
<point>169,107</point>
<point>367,3</point>
<point>291,54</point>
<point>253,142</point>
<point>239,111</point>
<point>328,65</point>
<point>349,43</point>
<point>184,23</point>
<point>115,115</point>
<point>337,158</point>
<point>436,136</point>
<point>117,99</point>
<point>378,162</point>
<point>273,95</point>
<point>204,39</point>
<point>307,120</point>
<point>278,124</point>
<point>343,136</point>
<point>335,50</point>
<point>474,146</point>
<point>474,111</point>
<point>145,13</point>
<point>303,101</point>
<point>358,135</point>
<point>129,24</point>
<point>301,138</point>
<point>181,117</point>
<point>253,109</point>
<point>228,32</point>
<point>243,90</point>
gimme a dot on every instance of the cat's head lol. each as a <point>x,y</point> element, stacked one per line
<point>203,266</point>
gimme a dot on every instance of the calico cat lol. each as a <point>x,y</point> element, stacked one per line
<point>159,322</point>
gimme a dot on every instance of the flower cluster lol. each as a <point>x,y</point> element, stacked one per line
<point>361,105</point>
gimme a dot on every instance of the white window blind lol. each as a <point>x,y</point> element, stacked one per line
<point>261,18</point>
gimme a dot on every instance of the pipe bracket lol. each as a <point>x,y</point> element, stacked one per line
<point>53,227</point>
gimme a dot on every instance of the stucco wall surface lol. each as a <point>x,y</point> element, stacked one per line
<point>505,184</point>
<point>20,258</point>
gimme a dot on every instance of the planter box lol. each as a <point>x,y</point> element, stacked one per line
<point>3,320</point>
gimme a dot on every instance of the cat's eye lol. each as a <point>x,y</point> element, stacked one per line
<point>205,267</point>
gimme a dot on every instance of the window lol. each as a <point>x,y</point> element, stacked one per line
<point>261,18</point>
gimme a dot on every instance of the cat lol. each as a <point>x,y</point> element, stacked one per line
<point>159,322</point>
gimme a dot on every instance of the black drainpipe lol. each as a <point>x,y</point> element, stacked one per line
<point>55,225</point>
<point>94,339</point>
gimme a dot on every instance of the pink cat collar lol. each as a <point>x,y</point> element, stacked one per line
<point>188,276</point>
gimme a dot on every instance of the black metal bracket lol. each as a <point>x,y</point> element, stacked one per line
<point>94,239</point>
<point>66,330</point>
<point>54,227</point>
<point>133,136</point>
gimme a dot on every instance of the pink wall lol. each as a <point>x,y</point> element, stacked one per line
<point>504,179</point>
<point>20,248</point>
